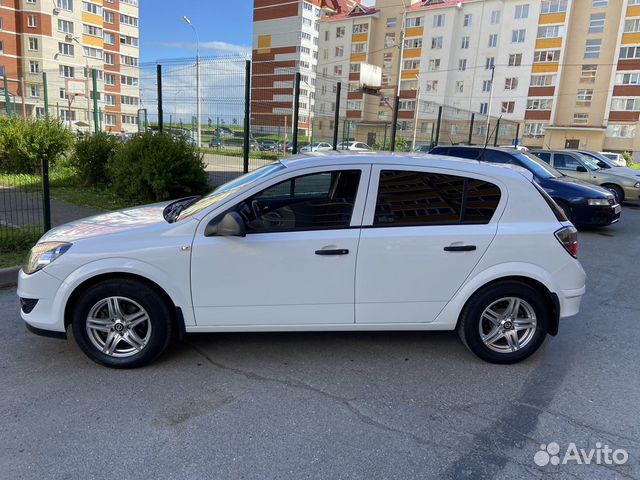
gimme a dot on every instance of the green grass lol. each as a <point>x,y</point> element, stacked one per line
<point>15,244</point>
<point>64,185</point>
<point>13,259</point>
<point>635,165</point>
<point>238,153</point>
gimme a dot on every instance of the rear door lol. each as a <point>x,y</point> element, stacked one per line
<point>424,230</point>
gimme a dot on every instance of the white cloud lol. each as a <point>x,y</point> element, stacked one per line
<point>213,46</point>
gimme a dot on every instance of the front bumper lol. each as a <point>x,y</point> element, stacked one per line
<point>589,215</point>
<point>45,315</point>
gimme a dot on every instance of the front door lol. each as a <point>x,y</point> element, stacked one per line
<point>296,265</point>
<point>571,166</point>
<point>423,233</point>
<point>572,143</point>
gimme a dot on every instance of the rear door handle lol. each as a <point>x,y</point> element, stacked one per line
<point>460,248</point>
<point>338,251</point>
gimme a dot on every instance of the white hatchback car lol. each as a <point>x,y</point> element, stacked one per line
<point>311,243</point>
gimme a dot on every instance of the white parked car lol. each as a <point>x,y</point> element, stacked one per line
<point>354,146</point>
<point>441,244</point>
<point>317,147</point>
<point>618,158</point>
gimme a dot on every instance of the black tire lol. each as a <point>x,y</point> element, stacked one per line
<point>617,191</point>
<point>132,294</point>
<point>471,316</point>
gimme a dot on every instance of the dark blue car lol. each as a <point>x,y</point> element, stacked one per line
<point>583,203</point>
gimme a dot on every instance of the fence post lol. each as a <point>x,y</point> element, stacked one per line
<point>394,125</point>
<point>46,200</point>
<point>160,113</point>
<point>473,117</point>
<point>495,140</point>
<point>437,139</point>
<point>96,112</point>
<point>296,113</point>
<point>45,91</point>
<point>7,103</point>
<point>517,134</point>
<point>384,141</point>
<point>336,120</point>
<point>247,124</point>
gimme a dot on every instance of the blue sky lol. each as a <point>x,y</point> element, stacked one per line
<point>225,28</point>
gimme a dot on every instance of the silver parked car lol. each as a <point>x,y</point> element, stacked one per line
<point>577,165</point>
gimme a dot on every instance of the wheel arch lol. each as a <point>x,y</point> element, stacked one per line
<point>550,298</point>
<point>617,188</point>
<point>176,312</point>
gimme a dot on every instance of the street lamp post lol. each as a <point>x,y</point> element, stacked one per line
<point>86,81</point>
<point>187,20</point>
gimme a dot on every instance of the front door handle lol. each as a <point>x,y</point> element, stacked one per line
<point>339,251</point>
<point>460,248</point>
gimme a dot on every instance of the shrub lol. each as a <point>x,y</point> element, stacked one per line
<point>153,167</point>
<point>628,157</point>
<point>25,143</point>
<point>91,156</point>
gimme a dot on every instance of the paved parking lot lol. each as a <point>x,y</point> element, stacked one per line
<point>340,405</point>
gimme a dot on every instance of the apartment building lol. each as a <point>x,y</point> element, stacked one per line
<point>66,40</point>
<point>286,38</point>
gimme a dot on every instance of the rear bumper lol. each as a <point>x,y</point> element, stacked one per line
<point>570,301</point>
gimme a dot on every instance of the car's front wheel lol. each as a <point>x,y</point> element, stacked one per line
<point>504,323</point>
<point>121,323</point>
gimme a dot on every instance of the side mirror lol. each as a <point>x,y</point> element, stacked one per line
<point>601,164</point>
<point>231,225</point>
<point>580,168</point>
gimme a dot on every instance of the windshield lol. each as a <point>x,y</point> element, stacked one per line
<point>229,188</point>
<point>540,168</point>
<point>597,157</point>
<point>591,163</point>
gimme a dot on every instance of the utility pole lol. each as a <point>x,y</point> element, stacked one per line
<point>493,73</point>
<point>415,117</point>
<point>396,103</point>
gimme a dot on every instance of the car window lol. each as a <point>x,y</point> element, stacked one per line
<point>309,202</point>
<point>496,156</point>
<point>564,161</point>
<point>407,198</point>
<point>545,156</point>
<point>440,151</point>
<point>469,153</point>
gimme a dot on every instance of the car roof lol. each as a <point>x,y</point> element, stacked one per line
<point>336,157</point>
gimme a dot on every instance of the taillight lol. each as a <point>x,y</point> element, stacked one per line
<point>568,237</point>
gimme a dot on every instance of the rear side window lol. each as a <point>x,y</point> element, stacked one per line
<point>469,153</point>
<point>544,156</point>
<point>440,151</point>
<point>408,198</point>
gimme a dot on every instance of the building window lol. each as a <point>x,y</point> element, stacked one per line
<point>462,64</point>
<point>627,78</point>
<point>109,38</point>
<point>508,107</point>
<point>468,20</point>
<point>546,56</point>
<point>109,79</point>
<point>91,30</point>
<point>387,61</point>
<point>522,11</point>
<point>413,43</point>
<point>584,98</point>
<point>109,17</point>
<point>596,23</point>
<point>33,44</point>
<point>459,86</point>
<point>588,73</point>
<point>592,49</point>
<point>92,8</point>
<point>464,43</point>
<point>625,104</point>
<point>493,40</point>
<point>600,3</point>
<point>489,63</point>
<point>580,118</point>
<point>515,59</point>
<point>110,119</point>
<point>358,48</point>
<point>34,67</point>
<point>431,86</point>
<point>621,131</point>
<point>389,39</point>
<point>486,85</point>
<point>495,17</point>
<point>1,47</point>
<point>543,80</point>
<point>436,43</point>
<point>131,81</point>
<point>553,6</point>
<point>391,22</point>
<point>34,91</point>
<point>434,64</point>
<point>539,104</point>
<point>631,25</point>
<point>339,51</point>
<point>66,49</point>
<point>414,22</point>
<point>32,21</point>
<point>550,31</point>
<point>66,71</point>
<point>534,129</point>
<point>629,52</point>
<point>517,36</point>
<point>412,64</point>
<point>337,70</point>
<point>65,26</point>
<point>484,108</point>
<point>340,32</point>
<point>438,21</point>
<point>65,5</point>
<point>511,83</point>
<point>361,28</point>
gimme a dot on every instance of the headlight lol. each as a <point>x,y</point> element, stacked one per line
<point>637,185</point>
<point>43,254</point>
<point>599,201</point>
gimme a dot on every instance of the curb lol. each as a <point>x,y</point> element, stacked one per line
<point>9,277</point>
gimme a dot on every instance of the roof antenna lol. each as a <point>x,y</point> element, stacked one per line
<point>486,141</point>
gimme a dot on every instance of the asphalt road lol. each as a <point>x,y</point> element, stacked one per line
<point>328,406</point>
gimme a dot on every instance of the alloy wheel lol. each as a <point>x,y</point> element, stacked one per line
<point>508,324</point>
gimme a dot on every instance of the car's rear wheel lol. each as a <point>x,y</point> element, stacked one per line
<point>121,323</point>
<point>504,323</point>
